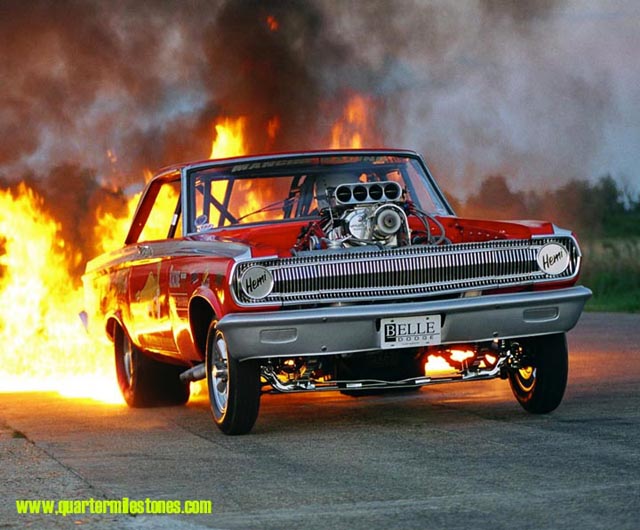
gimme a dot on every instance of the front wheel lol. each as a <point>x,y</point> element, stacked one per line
<point>234,387</point>
<point>539,379</point>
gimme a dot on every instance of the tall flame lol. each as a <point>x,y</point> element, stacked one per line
<point>44,344</point>
<point>111,229</point>
<point>230,138</point>
<point>354,125</point>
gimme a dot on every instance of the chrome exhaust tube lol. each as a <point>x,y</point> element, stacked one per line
<point>196,373</point>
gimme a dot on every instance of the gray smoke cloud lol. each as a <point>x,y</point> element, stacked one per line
<point>541,91</point>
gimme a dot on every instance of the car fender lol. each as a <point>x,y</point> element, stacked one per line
<point>112,320</point>
<point>204,306</point>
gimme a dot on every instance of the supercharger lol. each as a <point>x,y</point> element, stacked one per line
<point>366,214</point>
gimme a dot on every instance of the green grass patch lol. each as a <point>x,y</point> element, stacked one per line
<point>611,269</point>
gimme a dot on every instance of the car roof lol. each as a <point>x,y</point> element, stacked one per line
<point>291,154</point>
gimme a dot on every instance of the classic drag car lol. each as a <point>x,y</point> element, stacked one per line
<point>332,270</point>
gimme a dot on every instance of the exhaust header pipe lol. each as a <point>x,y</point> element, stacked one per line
<point>196,373</point>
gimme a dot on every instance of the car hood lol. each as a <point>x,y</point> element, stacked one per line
<point>279,238</point>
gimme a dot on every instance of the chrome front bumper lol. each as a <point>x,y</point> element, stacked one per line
<point>354,328</point>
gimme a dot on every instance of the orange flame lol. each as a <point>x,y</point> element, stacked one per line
<point>230,138</point>
<point>354,125</point>
<point>230,141</point>
<point>272,23</point>
<point>437,365</point>
<point>44,344</point>
<point>461,355</point>
<point>273,126</point>
<point>110,230</point>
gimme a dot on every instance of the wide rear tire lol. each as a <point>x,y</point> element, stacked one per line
<point>145,382</point>
<point>540,381</point>
<point>234,387</point>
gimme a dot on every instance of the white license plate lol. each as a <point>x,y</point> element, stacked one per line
<point>405,332</point>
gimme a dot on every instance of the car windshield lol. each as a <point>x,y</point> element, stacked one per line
<point>277,189</point>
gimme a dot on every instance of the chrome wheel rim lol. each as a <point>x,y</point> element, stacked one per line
<point>526,378</point>
<point>220,375</point>
<point>127,360</point>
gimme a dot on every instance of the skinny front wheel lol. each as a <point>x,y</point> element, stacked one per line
<point>539,381</point>
<point>234,387</point>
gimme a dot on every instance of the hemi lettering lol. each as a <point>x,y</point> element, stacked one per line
<point>549,261</point>
<point>251,284</point>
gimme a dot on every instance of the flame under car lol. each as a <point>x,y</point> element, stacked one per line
<point>333,270</point>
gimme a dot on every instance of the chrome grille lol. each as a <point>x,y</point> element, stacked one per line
<point>348,275</point>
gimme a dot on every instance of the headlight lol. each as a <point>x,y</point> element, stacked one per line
<point>256,282</point>
<point>553,259</point>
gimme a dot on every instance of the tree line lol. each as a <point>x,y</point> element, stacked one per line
<point>591,209</point>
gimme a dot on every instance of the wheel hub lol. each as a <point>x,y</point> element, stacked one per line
<point>127,361</point>
<point>220,375</point>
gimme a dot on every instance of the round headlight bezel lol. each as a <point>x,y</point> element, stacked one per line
<point>553,259</point>
<point>256,282</point>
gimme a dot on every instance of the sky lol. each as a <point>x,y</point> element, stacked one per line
<point>542,91</point>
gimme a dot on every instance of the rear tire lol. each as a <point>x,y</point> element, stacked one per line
<point>234,386</point>
<point>539,383</point>
<point>145,382</point>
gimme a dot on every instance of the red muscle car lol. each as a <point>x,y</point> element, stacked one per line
<point>333,270</point>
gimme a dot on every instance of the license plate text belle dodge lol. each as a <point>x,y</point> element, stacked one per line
<point>412,331</point>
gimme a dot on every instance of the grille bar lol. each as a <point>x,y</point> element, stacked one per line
<point>408,272</point>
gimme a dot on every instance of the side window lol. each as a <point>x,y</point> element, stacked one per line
<point>162,222</point>
<point>421,190</point>
<point>254,200</point>
<point>209,196</point>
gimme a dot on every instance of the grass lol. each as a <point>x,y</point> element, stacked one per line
<point>611,269</point>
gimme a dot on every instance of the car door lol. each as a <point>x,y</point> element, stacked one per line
<point>157,218</point>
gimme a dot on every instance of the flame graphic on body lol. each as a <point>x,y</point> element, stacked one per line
<point>45,345</point>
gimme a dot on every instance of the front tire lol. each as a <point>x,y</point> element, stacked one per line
<point>234,387</point>
<point>539,382</point>
<point>143,381</point>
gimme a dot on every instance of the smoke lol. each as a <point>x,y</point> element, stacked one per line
<point>537,91</point>
<point>95,92</point>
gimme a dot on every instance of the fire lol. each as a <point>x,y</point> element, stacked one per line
<point>437,365</point>
<point>111,230</point>
<point>273,126</point>
<point>45,346</point>
<point>461,355</point>
<point>355,125</point>
<point>230,138</point>
<point>272,23</point>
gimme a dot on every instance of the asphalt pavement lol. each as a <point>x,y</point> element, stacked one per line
<point>450,456</point>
